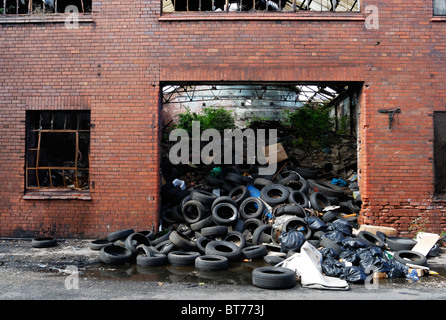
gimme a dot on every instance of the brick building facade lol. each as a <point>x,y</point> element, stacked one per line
<point>109,69</point>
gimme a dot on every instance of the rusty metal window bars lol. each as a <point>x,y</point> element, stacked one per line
<point>260,5</point>
<point>18,7</point>
<point>57,150</point>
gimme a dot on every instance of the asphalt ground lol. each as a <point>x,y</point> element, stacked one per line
<point>72,272</point>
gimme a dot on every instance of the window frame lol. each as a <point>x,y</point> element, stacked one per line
<point>30,10</point>
<point>30,147</point>
<point>305,6</point>
<point>434,13</point>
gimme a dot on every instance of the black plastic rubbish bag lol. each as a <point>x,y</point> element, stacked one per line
<point>332,267</point>
<point>328,253</point>
<point>315,224</point>
<point>291,240</point>
<point>397,269</point>
<point>354,243</point>
<point>334,235</point>
<point>353,274</point>
<point>349,256</point>
<point>342,226</point>
<point>375,264</point>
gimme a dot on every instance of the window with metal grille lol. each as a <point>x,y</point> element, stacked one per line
<point>11,7</point>
<point>260,5</point>
<point>439,7</point>
<point>57,149</point>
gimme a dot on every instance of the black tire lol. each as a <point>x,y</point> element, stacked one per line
<point>115,255</point>
<point>307,173</point>
<point>225,214</point>
<point>182,241</point>
<point>213,181</point>
<point>165,247</point>
<point>148,233</point>
<point>298,185</point>
<point>221,199</point>
<point>236,238</point>
<point>214,231</point>
<point>291,209</point>
<point>202,242</point>
<point>399,243</point>
<point>182,258</point>
<point>275,194</point>
<point>98,244</point>
<point>319,201</point>
<point>273,278</point>
<point>234,178</point>
<point>160,237</point>
<point>43,242</point>
<point>261,183</point>
<point>330,215</point>
<point>411,257</point>
<point>203,196</point>
<point>273,259</point>
<point>134,240</point>
<point>371,239</point>
<point>330,244</point>
<point>239,194</point>
<point>120,234</point>
<point>250,225</point>
<point>224,248</point>
<point>255,251</point>
<point>314,242</point>
<point>262,234</point>
<point>251,207</point>
<point>193,211</point>
<point>298,224</point>
<point>206,222</point>
<point>327,188</point>
<point>157,259</point>
<point>211,263</point>
<point>300,198</point>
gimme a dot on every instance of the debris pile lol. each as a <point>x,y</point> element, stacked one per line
<point>292,220</point>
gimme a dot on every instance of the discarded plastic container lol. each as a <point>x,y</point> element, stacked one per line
<point>254,192</point>
<point>215,172</point>
<point>180,183</point>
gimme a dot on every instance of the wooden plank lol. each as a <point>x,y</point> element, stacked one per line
<point>425,242</point>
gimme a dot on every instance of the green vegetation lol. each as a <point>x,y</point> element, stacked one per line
<point>311,125</point>
<point>211,118</point>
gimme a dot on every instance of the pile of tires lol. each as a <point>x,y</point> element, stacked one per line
<point>249,220</point>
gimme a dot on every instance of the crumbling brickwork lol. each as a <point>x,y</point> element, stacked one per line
<point>117,59</point>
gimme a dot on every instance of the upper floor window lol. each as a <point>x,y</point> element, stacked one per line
<point>260,5</point>
<point>439,7</point>
<point>11,7</point>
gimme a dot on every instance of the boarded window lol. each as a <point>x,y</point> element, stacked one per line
<point>440,152</point>
<point>57,149</point>
<point>439,7</point>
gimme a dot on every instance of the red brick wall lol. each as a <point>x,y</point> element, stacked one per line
<point>114,65</point>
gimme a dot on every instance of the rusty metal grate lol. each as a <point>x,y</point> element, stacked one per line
<point>440,152</point>
<point>260,5</point>
<point>57,150</point>
<point>16,7</point>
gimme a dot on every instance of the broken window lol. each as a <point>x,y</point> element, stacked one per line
<point>43,6</point>
<point>440,152</point>
<point>439,7</point>
<point>260,5</point>
<point>57,149</point>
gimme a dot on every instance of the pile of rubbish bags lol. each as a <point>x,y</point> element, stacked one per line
<point>290,220</point>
